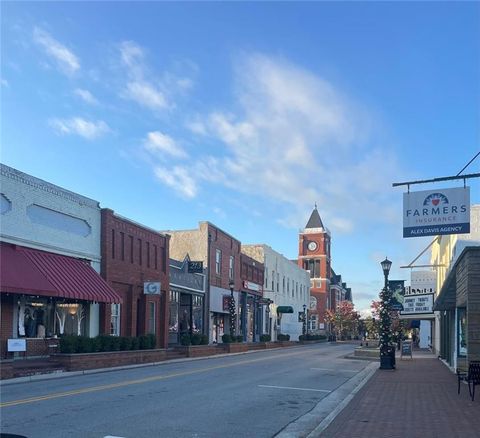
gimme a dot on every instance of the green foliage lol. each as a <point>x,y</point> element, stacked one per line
<point>239,338</point>
<point>265,338</point>
<point>125,343</point>
<point>105,343</point>
<point>196,338</point>
<point>115,343</point>
<point>185,340</point>
<point>226,338</point>
<point>204,340</point>
<point>282,337</point>
<point>71,344</point>
<point>153,341</point>
<point>135,344</point>
<point>67,344</point>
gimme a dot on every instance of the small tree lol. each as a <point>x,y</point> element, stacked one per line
<point>344,319</point>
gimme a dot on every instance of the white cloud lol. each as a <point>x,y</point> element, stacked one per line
<point>66,60</point>
<point>297,140</point>
<point>145,94</point>
<point>159,143</point>
<point>86,96</point>
<point>5,83</point>
<point>154,91</point>
<point>178,179</point>
<point>78,126</point>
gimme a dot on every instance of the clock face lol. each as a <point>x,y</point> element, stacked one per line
<point>312,246</point>
<point>313,303</point>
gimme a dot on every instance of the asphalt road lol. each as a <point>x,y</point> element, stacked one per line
<point>249,395</point>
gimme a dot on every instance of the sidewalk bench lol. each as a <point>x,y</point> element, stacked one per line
<point>471,376</point>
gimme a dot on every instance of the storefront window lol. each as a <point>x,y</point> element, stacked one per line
<point>462,331</point>
<point>197,314</point>
<point>173,315</point>
<point>43,317</point>
<point>115,320</point>
<point>151,318</point>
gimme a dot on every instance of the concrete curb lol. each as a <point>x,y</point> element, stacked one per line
<point>65,374</point>
<point>307,426</point>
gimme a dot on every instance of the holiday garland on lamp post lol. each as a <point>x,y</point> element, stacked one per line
<point>233,315</point>
<point>386,334</point>
<point>387,352</point>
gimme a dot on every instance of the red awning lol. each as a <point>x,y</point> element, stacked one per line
<point>33,272</point>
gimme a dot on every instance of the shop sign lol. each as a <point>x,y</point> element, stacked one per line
<point>152,288</point>
<point>195,267</point>
<point>406,349</point>
<point>436,212</point>
<point>17,345</point>
<point>252,286</point>
<point>419,303</point>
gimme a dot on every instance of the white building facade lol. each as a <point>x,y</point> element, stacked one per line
<point>287,286</point>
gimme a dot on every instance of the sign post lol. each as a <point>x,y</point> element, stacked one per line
<point>406,349</point>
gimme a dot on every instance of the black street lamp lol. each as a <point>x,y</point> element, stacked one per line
<point>233,312</point>
<point>387,351</point>
<point>304,325</point>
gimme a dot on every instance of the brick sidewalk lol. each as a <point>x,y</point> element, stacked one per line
<point>418,399</point>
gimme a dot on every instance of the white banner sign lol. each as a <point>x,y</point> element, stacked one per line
<point>436,212</point>
<point>151,288</point>
<point>416,304</point>
<point>252,286</point>
<point>17,345</point>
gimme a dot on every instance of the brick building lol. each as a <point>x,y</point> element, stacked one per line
<point>314,256</point>
<point>251,293</point>
<point>135,263</point>
<point>220,254</point>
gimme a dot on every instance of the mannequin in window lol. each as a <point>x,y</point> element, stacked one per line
<point>30,326</point>
<point>39,316</point>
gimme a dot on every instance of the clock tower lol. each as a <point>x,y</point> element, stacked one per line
<point>314,256</point>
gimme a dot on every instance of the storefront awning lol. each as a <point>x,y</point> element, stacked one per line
<point>33,272</point>
<point>284,309</point>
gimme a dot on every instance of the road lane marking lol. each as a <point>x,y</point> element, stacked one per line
<point>137,381</point>
<point>340,371</point>
<point>292,387</point>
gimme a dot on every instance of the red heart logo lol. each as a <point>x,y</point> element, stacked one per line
<point>435,201</point>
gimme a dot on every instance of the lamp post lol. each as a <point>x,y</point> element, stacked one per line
<point>232,310</point>
<point>304,325</point>
<point>387,351</point>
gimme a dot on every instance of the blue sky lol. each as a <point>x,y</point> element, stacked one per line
<point>246,114</point>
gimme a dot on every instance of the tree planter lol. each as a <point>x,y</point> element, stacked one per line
<point>235,348</point>
<point>285,343</point>
<point>89,361</point>
<point>200,350</point>
<point>313,342</point>
<point>6,369</point>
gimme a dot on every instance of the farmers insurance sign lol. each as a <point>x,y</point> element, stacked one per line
<point>435,212</point>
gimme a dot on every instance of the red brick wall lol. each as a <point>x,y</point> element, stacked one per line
<point>6,322</point>
<point>88,361</point>
<point>126,267</point>
<point>229,246</point>
<point>253,271</point>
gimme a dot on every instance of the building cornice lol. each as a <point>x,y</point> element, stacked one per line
<point>18,176</point>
